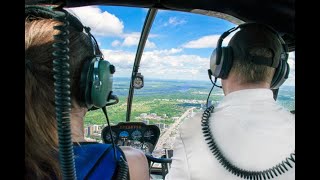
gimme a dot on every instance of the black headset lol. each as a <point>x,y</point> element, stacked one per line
<point>96,74</point>
<point>222,58</point>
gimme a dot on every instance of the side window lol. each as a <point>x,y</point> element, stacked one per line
<point>286,95</point>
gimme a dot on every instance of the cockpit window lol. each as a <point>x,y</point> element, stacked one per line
<point>176,82</point>
<point>286,95</point>
<point>174,66</point>
<point>117,30</point>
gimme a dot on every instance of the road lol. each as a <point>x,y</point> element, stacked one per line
<point>167,138</point>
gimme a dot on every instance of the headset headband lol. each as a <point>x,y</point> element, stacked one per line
<point>39,11</point>
<point>284,54</point>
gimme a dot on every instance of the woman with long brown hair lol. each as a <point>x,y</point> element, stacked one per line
<point>41,139</point>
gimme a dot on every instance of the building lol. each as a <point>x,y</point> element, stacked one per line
<point>146,121</point>
<point>160,125</point>
<point>95,128</point>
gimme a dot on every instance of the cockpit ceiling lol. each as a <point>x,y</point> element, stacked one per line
<point>278,14</point>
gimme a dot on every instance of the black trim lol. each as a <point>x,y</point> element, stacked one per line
<point>84,143</point>
<point>278,14</point>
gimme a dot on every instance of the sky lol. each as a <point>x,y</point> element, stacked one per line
<point>179,45</point>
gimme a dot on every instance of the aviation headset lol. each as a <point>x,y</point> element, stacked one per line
<point>222,58</point>
<point>96,74</point>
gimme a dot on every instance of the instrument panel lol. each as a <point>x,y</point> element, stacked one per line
<point>134,134</point>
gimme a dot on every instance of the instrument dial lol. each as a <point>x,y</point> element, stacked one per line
<point>136,135</point>
<point>148,135</point>
<point>123,134</point>
<point>108,136</point>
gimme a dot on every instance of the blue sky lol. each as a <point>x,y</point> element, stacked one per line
<point>179,44</point>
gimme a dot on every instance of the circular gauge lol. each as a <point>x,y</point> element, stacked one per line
<point>148,135</point>
<point>123,134</point>
<point>123,138</point>
<point>107,137</point>
<point>147,147</point>
<point>136,135</point>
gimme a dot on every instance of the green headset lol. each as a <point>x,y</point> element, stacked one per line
<point>222,58</point>
<point>96,74</point>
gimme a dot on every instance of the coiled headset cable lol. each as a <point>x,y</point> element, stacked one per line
<point>62,95</point>
<point>270,173</point>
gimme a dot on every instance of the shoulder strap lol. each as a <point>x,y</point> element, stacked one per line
<point>95,161</point>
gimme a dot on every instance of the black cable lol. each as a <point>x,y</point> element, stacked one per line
<point>104,109</point>
<point>213,85</point>
<point>209,96</point>
<point>62,95</point>
<point>123,171</point>
<point>215,82</point>
<point>215,79</point>
<point>242,173</point>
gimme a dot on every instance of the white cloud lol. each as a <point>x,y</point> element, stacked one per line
<point>207,42</point>
<point>132,39</point>
<point>102,23</point>
<point>115,43</point>
<point>166,51</point>
<point>123,60</point>
<point>167,64</point>
<point>150,44</point>
<point>171,64</point>
<point>174,21</point>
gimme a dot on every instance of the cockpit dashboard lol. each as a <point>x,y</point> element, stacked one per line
<point>134,134</point>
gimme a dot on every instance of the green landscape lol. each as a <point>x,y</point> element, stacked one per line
<point>167,99</point>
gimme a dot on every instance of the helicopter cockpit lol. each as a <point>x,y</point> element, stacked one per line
<point>141,135</point>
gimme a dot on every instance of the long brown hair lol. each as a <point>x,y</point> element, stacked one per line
<point>41,140</point>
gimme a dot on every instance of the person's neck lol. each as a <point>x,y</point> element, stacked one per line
<point>77,125</point>
<point>233,84</point>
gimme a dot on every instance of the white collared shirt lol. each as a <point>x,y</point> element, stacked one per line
<point>252,131</point>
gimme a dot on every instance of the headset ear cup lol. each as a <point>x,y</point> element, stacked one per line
<point>102,83</point>
<point>222,70</point>
<point>227,60</point>
<point>213,62</point>
<point>86,83</point>
<point>280,75</point>
<point>218,54</point>
<point>276,75</point>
